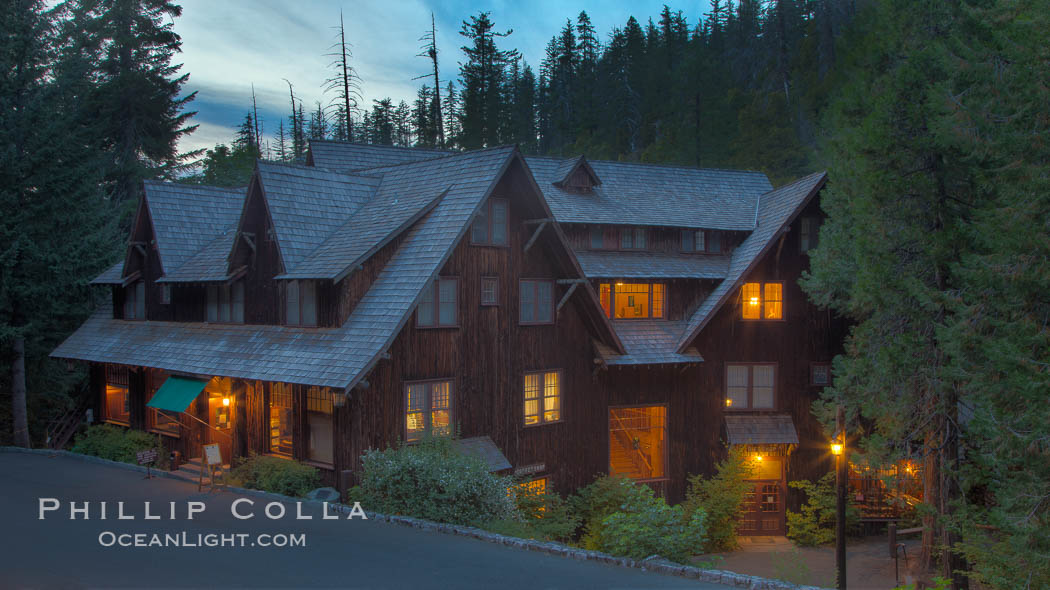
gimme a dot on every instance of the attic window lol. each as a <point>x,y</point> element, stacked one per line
<point>576,175</point>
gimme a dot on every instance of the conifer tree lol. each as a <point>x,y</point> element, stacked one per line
<point>484,82</point>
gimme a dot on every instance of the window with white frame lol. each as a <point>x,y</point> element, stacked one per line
<point>542,397</point>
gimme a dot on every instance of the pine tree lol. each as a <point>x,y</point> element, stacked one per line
<point>282,143</point>
<point>453,113</point>
<point>141,113</point>
<point>58,229</point>
<point>484,83</point>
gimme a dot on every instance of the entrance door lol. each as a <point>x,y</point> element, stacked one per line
<point>764,511</point>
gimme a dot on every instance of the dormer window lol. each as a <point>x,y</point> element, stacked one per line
<point>300,303</point>
<point>135,301</point>
<point>701,240</point>
<point>576,175</point>
<point>226,303</point>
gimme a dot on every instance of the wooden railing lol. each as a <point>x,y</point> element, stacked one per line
<point>627,444</point>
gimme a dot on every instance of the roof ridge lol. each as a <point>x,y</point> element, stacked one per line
<point>446,156</point>
<point>210,187</point>
<point>315,169</point>
<point>650,164</point>
<point>381,146</point>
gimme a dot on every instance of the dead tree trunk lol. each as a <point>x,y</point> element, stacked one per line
<point>20,422</point>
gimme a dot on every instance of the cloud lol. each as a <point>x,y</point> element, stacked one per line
<point>228,46</point>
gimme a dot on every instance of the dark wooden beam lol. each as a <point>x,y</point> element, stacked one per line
<point>565,297</point>
<point>535,234</point>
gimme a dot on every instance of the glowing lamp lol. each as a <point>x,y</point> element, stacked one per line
<point>225,401</point>
<point>758,457</point>
<point>836,449</point>
<point>754,301</point>
<point>729,402</point>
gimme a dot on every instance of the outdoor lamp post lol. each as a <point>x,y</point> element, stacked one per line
<point>838,448</point>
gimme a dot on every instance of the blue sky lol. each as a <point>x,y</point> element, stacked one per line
<point>229,45</point>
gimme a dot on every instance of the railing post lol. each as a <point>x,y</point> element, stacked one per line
<point>892,531</point>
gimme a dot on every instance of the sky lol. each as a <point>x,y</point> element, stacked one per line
<point>229,45</point>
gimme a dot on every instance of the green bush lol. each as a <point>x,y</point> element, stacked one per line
<point>721,498</point>
<point>815,524</point>
<point>654,529</point>
<point>432,480</point>
<point>604,496</point>
<point>541,515</point>
<point>274,474</point>
<point>118,444</point>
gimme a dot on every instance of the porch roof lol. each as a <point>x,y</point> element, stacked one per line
<point>761,430</point>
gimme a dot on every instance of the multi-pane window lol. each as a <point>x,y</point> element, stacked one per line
<point>489,290</point>
<point>820,374</point>
<point>633,239</point>
<point>300,303</point>
<point>809,233</point>
<point>633,300</point>
<point>492,224</point>
<point>638,442</point>
<point>542,397</point>
<point>116,408</point>
<point>597,237</point>
<point>750,386</point>
<point>536,302</point>
<point>762,301</point>
<point>428,409</point>
<point>165,294</point>
<point>135,301</point>
<point>700,240</point>
<point>319,424</point>
<point>281,419</point>
<point>439,306</point>
<point>226,303</point>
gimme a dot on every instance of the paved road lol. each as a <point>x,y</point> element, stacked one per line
<point>57,552</point>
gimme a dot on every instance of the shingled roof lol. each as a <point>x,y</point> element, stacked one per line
<point>329,357</point>
<point>308,204</point>
<point>652,265</point>
<point>761,430</point>
<point>648,342</point>
<point>187,217</point>
<point>646,194</point>
<point>344,155</point>
<point>777,209</point>
<point>110,276</point>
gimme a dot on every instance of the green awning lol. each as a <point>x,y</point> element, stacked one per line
<point>176,394</point>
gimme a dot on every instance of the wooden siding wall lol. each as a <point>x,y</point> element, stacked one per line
<point>485,358</point>
<point>262,303</point>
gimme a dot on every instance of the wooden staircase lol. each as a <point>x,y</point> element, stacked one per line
<point>62,429</point>
<point>625,459</point>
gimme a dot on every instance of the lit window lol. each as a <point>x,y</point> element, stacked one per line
<point>750,386</point>
<point>638,442</point>
<point>489,290</point>
<point>440,305</point>
<point>281,419</point>
<point>428,409</point>
<point>542,397</point>
<point>762,301</point>
<point>491,224</point>
<point>116,407</point>
<point>633,300</point>
<point>536,302</point>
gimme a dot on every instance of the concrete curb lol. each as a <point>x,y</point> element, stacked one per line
<point>654,564</point>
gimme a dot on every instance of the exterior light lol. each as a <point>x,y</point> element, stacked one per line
<point>729,402</point>
<point>836,448</point>
<point>758,457</point>
<point>225,401</point>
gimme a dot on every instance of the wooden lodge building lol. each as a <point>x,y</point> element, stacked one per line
<point>566,317</point>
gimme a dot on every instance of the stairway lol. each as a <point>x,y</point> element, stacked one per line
<point>624,458</point>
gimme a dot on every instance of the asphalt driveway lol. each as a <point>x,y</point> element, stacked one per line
<point>58,551</point>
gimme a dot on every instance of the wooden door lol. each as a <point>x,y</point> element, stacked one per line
<point>764,511</point>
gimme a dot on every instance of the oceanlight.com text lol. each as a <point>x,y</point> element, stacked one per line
<point>195,540</point>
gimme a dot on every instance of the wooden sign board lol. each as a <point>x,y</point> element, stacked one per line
<point>212,455</point>
<point>530,469</point>
<point>146,457</point>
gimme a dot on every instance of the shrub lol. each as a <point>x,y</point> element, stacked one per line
<point>274,474</point>
<point>118,444</point>
<point>604,496</point>
<point>815,524</point>
<point>721,498</point>
<point>653,528</point>
<point>432,480</point>
<point>541,515</point>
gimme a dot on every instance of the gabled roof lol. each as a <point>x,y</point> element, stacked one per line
<point>652,265</point>
<point>647,194</point>
<point>210,263</point>
<point>186,217</point>
<point>306,205</point>
<point>777,209</point>
<point>345,155</point>
<point>648,342</point>
<point>110,276</point>
<point>564,172</point>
